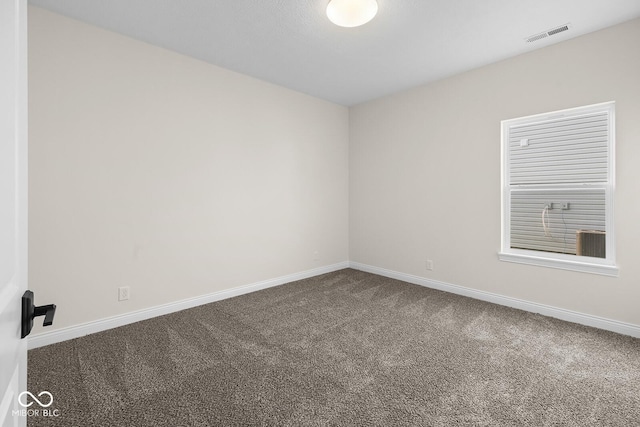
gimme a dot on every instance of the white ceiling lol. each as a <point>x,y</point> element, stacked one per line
<point>292,43</point>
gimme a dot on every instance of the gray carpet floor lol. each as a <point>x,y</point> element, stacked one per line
<point>346,348</point>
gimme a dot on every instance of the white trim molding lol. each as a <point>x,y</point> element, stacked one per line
<point>530,258</point>
<point>76,331</point>
<point>546,310</point>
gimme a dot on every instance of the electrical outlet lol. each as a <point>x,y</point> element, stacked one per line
<point>564,206</point>
<point>316,255</point>
<point>123,293</point>
<point>429,264</point>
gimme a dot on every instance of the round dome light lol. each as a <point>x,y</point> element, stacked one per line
<point>351,13</point>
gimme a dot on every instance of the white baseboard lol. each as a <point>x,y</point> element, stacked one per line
<point>547,310</point>
<point>76,331</point>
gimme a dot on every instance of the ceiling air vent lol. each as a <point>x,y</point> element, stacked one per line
<point>547,33</point>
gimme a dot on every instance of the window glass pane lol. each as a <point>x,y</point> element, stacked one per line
<point>565,150</point>
<point>570,221</point>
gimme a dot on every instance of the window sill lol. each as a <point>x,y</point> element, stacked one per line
<point>563,264</point>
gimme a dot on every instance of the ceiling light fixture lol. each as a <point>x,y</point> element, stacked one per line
<point>351,13</point>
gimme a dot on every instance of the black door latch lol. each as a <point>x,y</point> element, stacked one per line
<point>29,311</point>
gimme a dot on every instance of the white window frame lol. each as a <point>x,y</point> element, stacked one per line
<point>604,266</point>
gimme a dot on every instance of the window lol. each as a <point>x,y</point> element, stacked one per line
<point>557,189</point>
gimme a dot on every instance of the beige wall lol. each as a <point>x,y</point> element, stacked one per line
<point>425,172</point>
<point>177,178</point>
